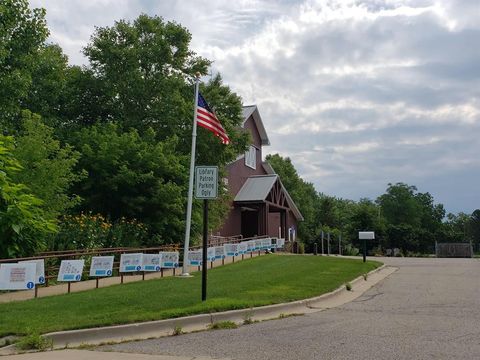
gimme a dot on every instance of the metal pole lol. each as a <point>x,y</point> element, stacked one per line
<point>364,250</point>
<point>328,244</point>
<point>340,244</point>
<point>190,183</point>
<point>205,246</point>
<point>315,249</point>
<point>322,244</point>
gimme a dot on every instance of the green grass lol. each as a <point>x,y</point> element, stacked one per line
<point>254,282</point>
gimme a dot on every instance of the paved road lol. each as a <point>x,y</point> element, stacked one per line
<point>428,309</point>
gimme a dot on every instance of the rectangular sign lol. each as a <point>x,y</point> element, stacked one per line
<point>206,182</point>
<point>151,262</point>
<point>195,258</point>
<point>131,262</point>
<point>258,244</point>
<point>211,254</point>
<point>170,259</point>
<point>40,269</point>
<point>280,243</point>
<point>250,246</point>
<point>219,252</point>
<point>17,276</point>
<point>231,249</point>
<point>366,235</point>
<point>242,248</point>
<point>70,270</point>
<point>101,266</point>
<point>266,244</point>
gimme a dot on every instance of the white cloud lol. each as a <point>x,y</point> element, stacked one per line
<point>357,93</point>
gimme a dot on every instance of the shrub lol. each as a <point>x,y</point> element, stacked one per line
<point>34,341</point>
<point>350,250</point>
<point>89,231</point>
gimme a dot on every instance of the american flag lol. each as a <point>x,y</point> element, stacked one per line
<point>207,119</point>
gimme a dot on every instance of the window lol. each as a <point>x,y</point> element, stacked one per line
<point>251,157</point>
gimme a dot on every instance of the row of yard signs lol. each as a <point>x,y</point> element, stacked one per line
<point>25,275</point>
<point>232,250</point>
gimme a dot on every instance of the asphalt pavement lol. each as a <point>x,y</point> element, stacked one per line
<point>428,309</point>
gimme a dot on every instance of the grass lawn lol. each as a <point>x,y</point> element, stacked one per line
<point>253,282</point>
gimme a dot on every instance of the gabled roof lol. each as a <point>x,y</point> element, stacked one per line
<point>257,188</point>
<point>252,110</point>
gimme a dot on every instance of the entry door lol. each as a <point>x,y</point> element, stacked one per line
<point>249,223</point>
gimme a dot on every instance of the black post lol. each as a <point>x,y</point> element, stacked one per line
<point>205,246</point>
<point>364,250</point>
<point>315,250</point>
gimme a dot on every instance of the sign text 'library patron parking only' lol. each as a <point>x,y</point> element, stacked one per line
<point>206,182</point>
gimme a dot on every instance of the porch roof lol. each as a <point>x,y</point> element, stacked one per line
<point>257,188</point>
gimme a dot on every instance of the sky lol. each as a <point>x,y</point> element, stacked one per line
<point>358,94</point>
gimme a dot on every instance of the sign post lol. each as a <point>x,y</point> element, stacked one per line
<point>365,235</point>
<point>206,187</point>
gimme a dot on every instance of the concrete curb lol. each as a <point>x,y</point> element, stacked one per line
<point>159,328</point>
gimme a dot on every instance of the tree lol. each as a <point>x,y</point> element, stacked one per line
<point>133,176</point>
<point>22,32</point>
<point>145,67</point>
<point>23,225</point>
<point>303,194</point>
<point>47,166</point>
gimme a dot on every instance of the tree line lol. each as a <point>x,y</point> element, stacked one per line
<point>402,217</point>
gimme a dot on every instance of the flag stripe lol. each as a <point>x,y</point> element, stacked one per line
<point>207,119</point>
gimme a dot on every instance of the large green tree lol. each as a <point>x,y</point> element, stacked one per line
<point>133,176</point>
<point>47,166</point>
<point>23,224</point>
<point>23,32</point>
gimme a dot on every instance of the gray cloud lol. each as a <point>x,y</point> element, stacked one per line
<point>357,93</point>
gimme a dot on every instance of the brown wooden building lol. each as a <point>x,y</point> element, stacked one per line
<point>261,205</point>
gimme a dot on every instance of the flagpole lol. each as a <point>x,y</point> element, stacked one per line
<point>190,184</point>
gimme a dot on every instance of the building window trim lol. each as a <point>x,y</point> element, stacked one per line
<point>251,157</point>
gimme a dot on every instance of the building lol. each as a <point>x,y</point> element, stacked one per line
<point>261,205</point>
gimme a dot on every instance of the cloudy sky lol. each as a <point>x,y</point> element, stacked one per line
<point>358,94</point>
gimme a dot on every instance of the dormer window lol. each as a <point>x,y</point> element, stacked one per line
<point>251,157</point>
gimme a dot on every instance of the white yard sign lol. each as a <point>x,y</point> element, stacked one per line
<point>131,262</point>
<point>101,266</point>
<point>151,262</point>
<point>40,269</point>
<point>266,244</point>
<point>280,244</point>
<point>70,270</point>
<point>195,258</point>
<point>242,248</point>
<point>17,276</point>
<point>250,246</point>
<point>219,252</point>
<point>211,254</point>
<point>258,244</point>
<point>170,259</point>
<point>231,249</point>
